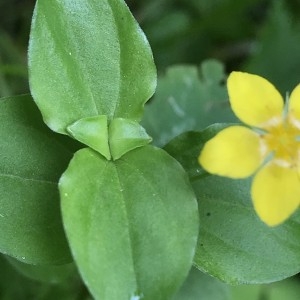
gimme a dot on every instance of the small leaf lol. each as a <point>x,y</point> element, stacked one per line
<point>121,136</point>
<point>126,135</point>
<point>131,223</point>
<point>93,132</point>
<point>233,244</point>
<point>32,160</point>
<point>98,62</point>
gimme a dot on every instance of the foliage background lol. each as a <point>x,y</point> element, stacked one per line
<point>259,36</point>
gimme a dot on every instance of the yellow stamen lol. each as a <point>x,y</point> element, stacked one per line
<point>282,141</point>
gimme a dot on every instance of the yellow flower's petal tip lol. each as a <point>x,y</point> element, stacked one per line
<point>237,75</point>
<point>275,193</point>
<point>234,152</point>
<point>253,99</point>
<point>274,219</point>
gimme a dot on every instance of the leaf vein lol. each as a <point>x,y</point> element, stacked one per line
<point>27,179</point>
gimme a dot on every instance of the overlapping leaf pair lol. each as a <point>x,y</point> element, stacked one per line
<point>131,222</point>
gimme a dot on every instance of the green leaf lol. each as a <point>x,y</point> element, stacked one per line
<point>32,160</point>
<point>88,58</point>
<point>199,286</point>
<point>113,140</point>
<point>187,99</point>
<point>132,224</point>
<point>233,244</point>
<point>93,132</point>
<point>126,135</point>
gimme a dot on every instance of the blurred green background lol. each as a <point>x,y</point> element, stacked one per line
<point>258,36</point>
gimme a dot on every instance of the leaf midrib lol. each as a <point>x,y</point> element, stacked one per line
<point>12,176</point>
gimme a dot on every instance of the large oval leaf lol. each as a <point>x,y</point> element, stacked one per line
<point>234,245</point>
<point>132,224</point>
<point>32,160</point>
<point>88,58</point>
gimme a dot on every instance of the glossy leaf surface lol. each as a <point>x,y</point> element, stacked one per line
<point>132,224</point>
<point>93,132</point>
<point>126,135</point>
<point>98,61</point>
<point>32,160</point>
<point>234,245</point>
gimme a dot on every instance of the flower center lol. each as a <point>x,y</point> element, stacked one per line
<point>283,141</point>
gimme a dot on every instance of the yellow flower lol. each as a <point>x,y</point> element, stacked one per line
<point>271,149</point>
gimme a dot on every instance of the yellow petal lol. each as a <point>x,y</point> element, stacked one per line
<point>254,100</point>
<point>294,103</point>
<point>234,152</point>
<point>275,193</point>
